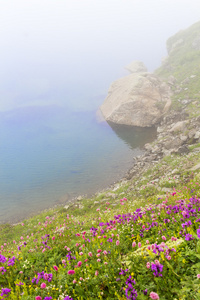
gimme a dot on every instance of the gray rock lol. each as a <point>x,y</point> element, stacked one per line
<point>197,135</point>
<point>196,167</point>
<point>138,100</point>
<point>183,149</point>
<point>136,67</point>
<point>191,133</point>
<point>179,126</point>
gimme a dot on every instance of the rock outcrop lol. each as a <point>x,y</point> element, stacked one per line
<point>139,99</point>
<point>136,67</point>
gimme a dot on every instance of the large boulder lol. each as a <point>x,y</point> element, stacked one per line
<point>139,99</point>
<point>136,67</point>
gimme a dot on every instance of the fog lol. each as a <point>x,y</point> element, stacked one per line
<point>61,52</point>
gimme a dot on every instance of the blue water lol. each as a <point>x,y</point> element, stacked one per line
<point>49,154</point>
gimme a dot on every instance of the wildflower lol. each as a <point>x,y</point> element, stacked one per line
<point>90,254</point>
<point>79,263</point>
<point>198,233</point>
<point>74,281</point>
<point>71,272</point>
<point>198,275</point>
<point>96,273</point>
<point>133,244</point>
<point>5,291</point>
<point>117,243</point>
<point>55,268</point>
<point>148,265</point>
<point>38,298</point>
<point>188,237</point>
<point>43,285</point>
<point>139,244</point>
<point>154,296</point>
<point>68,298</point>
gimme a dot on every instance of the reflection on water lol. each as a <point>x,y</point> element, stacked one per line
<point>134,136</point>
<point>49,155</point>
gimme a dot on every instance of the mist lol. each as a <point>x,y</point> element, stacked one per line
<point>66,53</point>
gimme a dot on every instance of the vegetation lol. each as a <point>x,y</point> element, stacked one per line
<point>139,240</point>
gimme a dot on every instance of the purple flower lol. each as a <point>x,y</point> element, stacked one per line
<point>157,268</point>
<point>5,291</point>
<point>198,233</point>
<point>188,237</point>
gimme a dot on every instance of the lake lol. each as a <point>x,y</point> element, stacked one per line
<point>50,154</point>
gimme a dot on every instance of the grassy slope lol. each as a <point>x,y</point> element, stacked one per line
<point>183,62</point>
<point>156,191</point>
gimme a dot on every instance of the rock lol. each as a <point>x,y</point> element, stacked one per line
<point>173,143</point>
<point>197,135</point>
<point>191,133</point>
<point>183,149</point>
<point>136,67</point>
<point>176,44</point>
<point>137,100</point>
<point>196,167</point>
<point>183,138</point>
<point>172,80</point>
<point>196,43</point>
<point>79,198</point>
<point>179,126</point>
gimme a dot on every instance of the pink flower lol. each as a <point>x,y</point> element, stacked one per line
<point>154,296</point>
<point>139,244</point>
<point>99,250</point>
<point>105,252</point>
<point>90,254</point>
<point>105,263</point>
<point>71,272</point>
<point>79,263</point>
<point>46,276</point>
<point>98,254</point>
<point>117,242</point>
<point>148,265</point>
<point>133,244</point>
<point>43,285</point>
<point>81,253</point>
<point>147,241</point>
<point>74,281</point>
<point>81,278</point>
<point>98,260</point>
<point>63,261</point>
<point>55,268</point>
<point>96,273</point>
<point>168,257</point>
<point>38,298</point>
<point>198,275</point>
<point>53,238</point>
<point>164,238</point>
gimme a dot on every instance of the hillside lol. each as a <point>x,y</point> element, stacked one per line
<point>140,238</point>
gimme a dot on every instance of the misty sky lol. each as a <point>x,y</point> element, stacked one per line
<point>51,49</point>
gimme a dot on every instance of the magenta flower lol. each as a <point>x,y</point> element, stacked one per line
<point>38,298</point>
<point>154,296</point>
<point>79,263</point>
<point>117,243</point>
<point>71,272</point>
<point>55,268</point>
<point>43,285</point>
